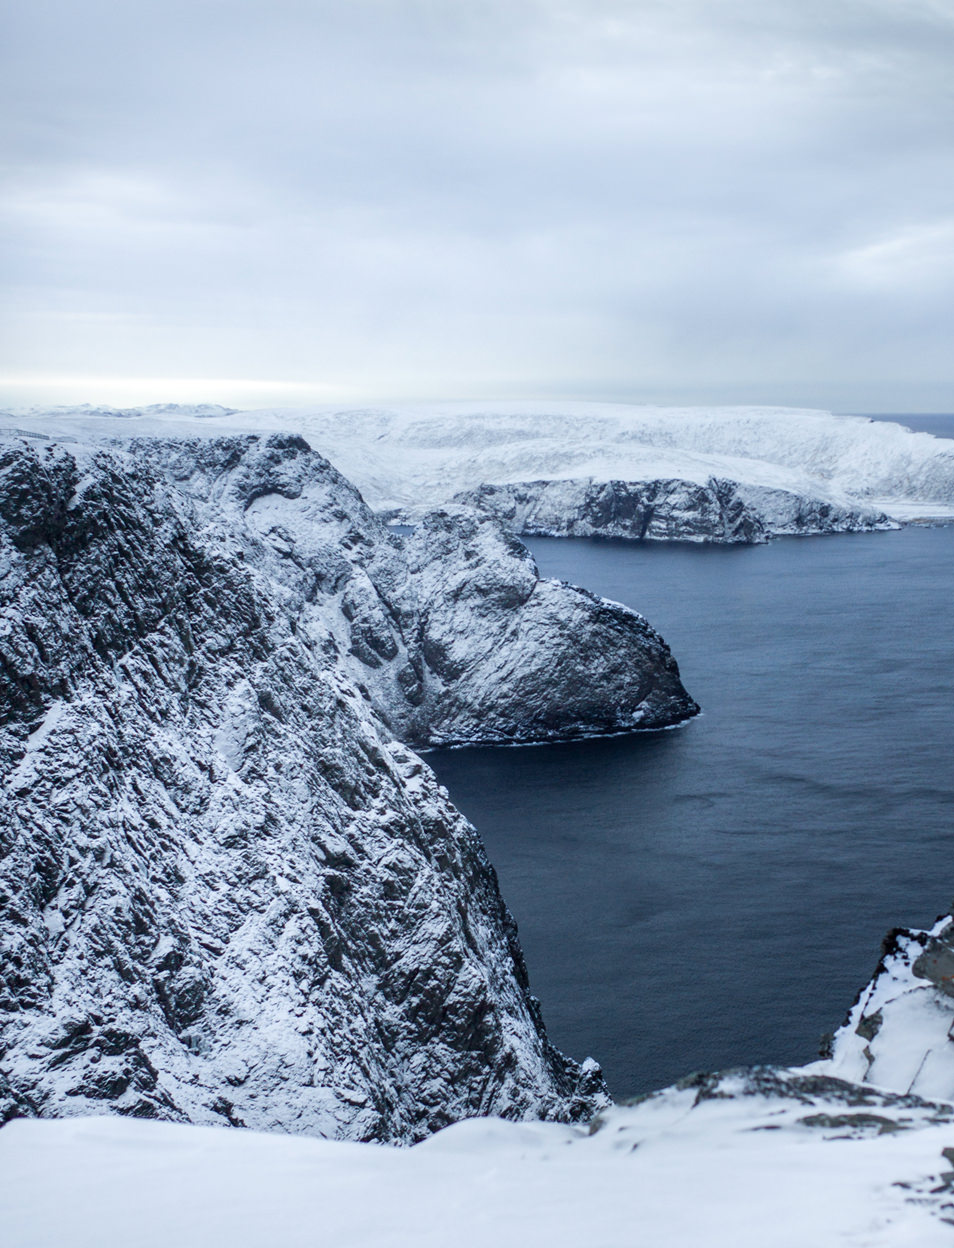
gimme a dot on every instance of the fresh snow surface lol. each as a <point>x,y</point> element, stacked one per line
<point>421,456</point>
<point>737,1169</point>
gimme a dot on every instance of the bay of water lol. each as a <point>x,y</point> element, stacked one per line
<point>941,424</point>
<point>716,895</point>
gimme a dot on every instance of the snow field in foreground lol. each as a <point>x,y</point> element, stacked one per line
<point>729,1173</point>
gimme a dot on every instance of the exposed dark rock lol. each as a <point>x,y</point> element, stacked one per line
<point>936,963</point>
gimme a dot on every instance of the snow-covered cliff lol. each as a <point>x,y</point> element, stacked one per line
<point>899,1034</point>
<point>452,632</point>
<point>503,649</point>
<point>229,892</point>
<point>718,511</point>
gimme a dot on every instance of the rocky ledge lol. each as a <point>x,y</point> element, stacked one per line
<point>230,891</point>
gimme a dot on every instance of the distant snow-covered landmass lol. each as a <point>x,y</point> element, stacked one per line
<point>704,474</point>
<point>98,411</point>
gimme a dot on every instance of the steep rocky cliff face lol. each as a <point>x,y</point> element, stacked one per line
<point>721,511</point>
<point>229,894</point>
<point>513,657</point>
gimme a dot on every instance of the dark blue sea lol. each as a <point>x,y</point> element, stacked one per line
<point>716,895</point>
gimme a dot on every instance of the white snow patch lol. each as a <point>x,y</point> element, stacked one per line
<point>25,771</point>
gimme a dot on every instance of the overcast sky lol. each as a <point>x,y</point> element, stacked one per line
<point>271,201</point>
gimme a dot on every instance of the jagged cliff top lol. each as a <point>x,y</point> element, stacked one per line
<point>231,892</point>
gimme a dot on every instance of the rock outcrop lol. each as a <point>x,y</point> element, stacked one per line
<point>513,657</point>
<point>721,510</point>
<point>229,893</point>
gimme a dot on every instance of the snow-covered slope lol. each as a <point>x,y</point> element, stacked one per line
<point>758,1160</point>
<point>790,470</point>
<point>229,893</point>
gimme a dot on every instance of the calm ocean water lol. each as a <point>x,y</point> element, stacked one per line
<point>716,895</point>
<point>940,424</point>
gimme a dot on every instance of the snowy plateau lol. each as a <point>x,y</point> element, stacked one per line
<point>234,895</point>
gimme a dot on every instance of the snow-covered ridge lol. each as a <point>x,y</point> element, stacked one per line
<point>453,633</point>
<point>793,470</point>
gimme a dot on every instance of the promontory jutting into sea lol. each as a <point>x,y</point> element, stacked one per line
<point>244,652</point>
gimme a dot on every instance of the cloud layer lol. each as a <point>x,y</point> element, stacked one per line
<point>682,200</point>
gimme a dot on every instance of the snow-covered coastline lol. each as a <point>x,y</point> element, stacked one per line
<point>787,470</point>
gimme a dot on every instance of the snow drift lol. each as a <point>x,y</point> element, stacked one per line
<point>743,1160</point>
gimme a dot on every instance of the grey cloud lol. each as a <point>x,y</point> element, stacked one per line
<point>688,199</point>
